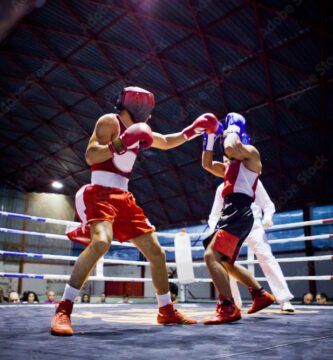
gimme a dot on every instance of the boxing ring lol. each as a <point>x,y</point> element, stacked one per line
<point>131,331</point>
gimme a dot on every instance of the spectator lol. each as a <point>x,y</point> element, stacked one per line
<point>307,299</point>
<point>13,297</point>
<point>3,299</point>
<point>102,299</point>
<point>30,297</point>
<point>51,298</point>
<point>321,299</point>
<point>85,298</point>
<point>125,300</point>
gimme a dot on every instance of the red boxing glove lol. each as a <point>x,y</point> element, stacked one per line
<point>205,123</point>
<point>137,133</point>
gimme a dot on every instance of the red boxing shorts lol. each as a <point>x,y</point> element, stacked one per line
<point>100,203</point>
<point>233,227</point>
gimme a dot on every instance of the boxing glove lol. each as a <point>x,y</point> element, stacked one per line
<point>139,133</point>
<point>209,139</point>
<point>205,123</point>
<point>235,123</point>
<point>208,142</point>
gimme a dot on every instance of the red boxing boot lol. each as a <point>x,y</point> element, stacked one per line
<point>261,300</point>
<point>225,313</point>
<point>169,315</point>
<point>61,320</point>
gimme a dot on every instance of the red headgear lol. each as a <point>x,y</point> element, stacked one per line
<point>137,101</point>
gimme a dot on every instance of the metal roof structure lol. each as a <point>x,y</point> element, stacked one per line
<point>63,62</point>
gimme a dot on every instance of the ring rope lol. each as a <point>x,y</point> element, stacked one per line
<point>141,263</point>
<point>74,258</point>
<point>288,278</point>
<point>110,278</point>
<point>167,248</point>
<point>52,236</point>
<point>146,263</point>
<point>73,223</point>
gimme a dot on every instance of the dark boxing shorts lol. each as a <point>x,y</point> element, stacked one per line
<point>233,227</point>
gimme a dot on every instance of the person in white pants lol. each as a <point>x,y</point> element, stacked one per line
<point>257,242</point>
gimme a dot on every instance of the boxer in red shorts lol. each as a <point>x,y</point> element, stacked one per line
<point>107,209</point>
<point>240,172</point>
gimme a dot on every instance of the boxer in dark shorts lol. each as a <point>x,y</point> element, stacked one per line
<point>240,171</point>
<point>233,227</point>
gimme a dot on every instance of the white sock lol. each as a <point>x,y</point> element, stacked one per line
<point>164,299</point>
<point>70,293</point>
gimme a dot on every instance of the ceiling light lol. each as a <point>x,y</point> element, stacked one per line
<point>57,185</point>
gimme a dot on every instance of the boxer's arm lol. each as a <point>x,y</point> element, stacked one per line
<point>106,129</point>
<point>234,149</point>
<point>204,123</point>
<point>165,142</point>
<point>217,168</point>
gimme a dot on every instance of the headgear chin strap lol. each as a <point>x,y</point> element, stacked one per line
<point>137,101</point>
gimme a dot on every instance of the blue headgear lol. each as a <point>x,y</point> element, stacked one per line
<point>245,139</point>
<point>236,119</point>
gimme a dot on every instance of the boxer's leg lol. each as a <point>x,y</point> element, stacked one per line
<point>153,252</point>
<point>150,247</point>
<point>101,237</point>
<point>226,310</point>
<point>242,275</point>
<point>217,271</point>
<point>261,298</point>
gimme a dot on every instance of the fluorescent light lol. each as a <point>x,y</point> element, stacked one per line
<point>57,185</point>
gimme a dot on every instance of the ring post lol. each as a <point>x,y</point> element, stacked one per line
<point>100,267</point>
<point>184,263</point>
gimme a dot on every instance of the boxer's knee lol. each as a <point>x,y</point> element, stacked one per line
<point>209,257</point>
<point>156,254</point>
<point>99,246</point>
<point>150,247</point>
<point>101,237</point>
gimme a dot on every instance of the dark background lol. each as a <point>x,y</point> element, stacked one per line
<point>62,64</point>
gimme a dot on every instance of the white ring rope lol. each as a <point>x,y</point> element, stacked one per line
<point>289,278</point>
<point>110,278</point>
<point>74,258</point>
<point>144,263</point>
<point>171,235</point>
<point>167,248</point>
<point>52,236</point>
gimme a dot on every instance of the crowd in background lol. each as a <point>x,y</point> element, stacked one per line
<point>320,299</point>
<point>30,297</point>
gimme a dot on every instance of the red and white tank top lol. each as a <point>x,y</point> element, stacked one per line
<point>239,179</point>
<point>116,171</point>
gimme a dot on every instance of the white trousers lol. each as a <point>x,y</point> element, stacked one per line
<point>257,242</point>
